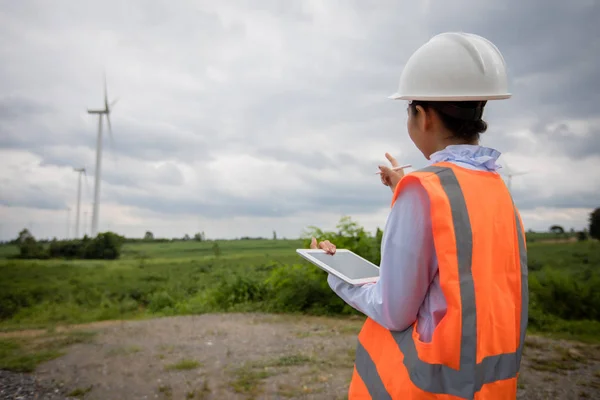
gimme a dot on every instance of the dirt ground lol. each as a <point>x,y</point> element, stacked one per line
<point>255,356</point>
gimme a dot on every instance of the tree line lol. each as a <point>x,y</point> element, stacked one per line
<point>105,246</point>
<point>349,235</point>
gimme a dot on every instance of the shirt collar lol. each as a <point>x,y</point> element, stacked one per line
<point>475,155</point>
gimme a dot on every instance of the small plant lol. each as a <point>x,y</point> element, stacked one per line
<point>166,390</point>
<point>80,392</point>
<point>183,365</point>
<point>216,249</point>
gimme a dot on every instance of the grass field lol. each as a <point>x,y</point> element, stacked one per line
<point>180,278</point>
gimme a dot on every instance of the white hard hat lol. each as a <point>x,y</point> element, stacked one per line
<point>454,66</point>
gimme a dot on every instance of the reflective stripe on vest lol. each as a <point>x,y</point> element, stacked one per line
<point>441,379</point>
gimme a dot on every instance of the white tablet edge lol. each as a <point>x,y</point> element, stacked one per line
<point>306,253</point>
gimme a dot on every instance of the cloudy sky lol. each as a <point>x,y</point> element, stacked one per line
<point>244,117</point>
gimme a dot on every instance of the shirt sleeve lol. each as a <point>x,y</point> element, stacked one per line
<point>406,271</point>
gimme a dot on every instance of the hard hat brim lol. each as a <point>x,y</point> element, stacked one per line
<point>398,96</point>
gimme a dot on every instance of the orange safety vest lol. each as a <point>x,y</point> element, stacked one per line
<point>475,351</point>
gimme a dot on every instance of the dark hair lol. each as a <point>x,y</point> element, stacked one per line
<point>462,118</point>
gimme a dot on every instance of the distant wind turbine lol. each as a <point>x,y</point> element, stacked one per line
<point>80,171</point>
<point>510,173</point>
<point>68,222</point>
<point>105,111</point>
<point>85,214</point>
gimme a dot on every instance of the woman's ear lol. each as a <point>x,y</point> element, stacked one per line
<point>422,118</point>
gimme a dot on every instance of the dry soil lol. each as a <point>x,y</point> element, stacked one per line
<point>256,356</point>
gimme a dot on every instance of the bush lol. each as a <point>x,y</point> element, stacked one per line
<point>351,236</point>
<point>235,289</point>
<point>160,301</point>
<point>303,288</point>
<point>30,249</point>
<point>566,295</point>
<point>105,246</point>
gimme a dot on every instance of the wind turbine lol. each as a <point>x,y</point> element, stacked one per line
<point>85,213</point>
<point>101,113</point>
<point>80,171</point>
<point>510,174</point>
<point>68,222</point>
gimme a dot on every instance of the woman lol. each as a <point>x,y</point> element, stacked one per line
<point>448,315</point>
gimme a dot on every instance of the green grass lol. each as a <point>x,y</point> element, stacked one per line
<point>183,365</point>
<point>182,278</point>
<point>25,354</point>
<point>80,392</point>
<point>542,236</point>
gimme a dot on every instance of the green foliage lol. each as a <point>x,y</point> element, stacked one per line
<point>351,236</point>
<point>567,295</point>
<point>216,249</point>
<point>303,288</point>
<point>237,289</point>
<point>595,224</point>
<point>25,354</point>
<point>30,249</point>
<point>105,246</point>
<point>199,237</point>
<point>168,278</point>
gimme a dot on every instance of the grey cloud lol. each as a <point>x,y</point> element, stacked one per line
<point>168,174</point>
<point>584,198</point>
<point>16,107</point>
<point>550,48</point>
<point>551,139</point>
<point>563,141</point>
<point>33,196</point>
<point>325,81</point>
<point>115,171</point>
<point>142,141</point>
<point>325,197</point>
<point>314,159</point>
<point>225,207</point>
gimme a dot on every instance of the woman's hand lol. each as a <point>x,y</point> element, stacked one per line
<point>325,245</point>
<point>390,177</point>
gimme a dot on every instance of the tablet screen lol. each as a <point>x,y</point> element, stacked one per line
<point>348,264</point>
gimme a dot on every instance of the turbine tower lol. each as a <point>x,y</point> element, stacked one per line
<point>80,171</point>
<point>85,214</point>
<point>510,174</point>
<point>97,175</point>
<point>68,222</point>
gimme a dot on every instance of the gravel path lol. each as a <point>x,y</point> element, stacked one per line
<point>16,386</point>
<point>254,356</point>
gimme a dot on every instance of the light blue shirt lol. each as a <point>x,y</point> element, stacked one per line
<point>408,288</point>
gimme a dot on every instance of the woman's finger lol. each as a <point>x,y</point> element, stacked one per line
<point>391,159</point>
<point>313,243</point>
<point>327,246</point>
<point>385,175</point>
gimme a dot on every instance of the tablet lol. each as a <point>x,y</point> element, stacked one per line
<point>344,264</point>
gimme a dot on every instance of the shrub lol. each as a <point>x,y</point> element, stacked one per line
<point>303,288</point>
<point>160,301</point>
<point>29,248</point>
<point>235,289</point>
<point>105,246</point>
<point>351,236</point>
<point>566,295</point>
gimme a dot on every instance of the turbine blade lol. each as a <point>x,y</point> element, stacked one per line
<point>87,184</point>
<point>109,127</point>
<point>105,93</point>
<point>111,138</point>
<point>114,102</point>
